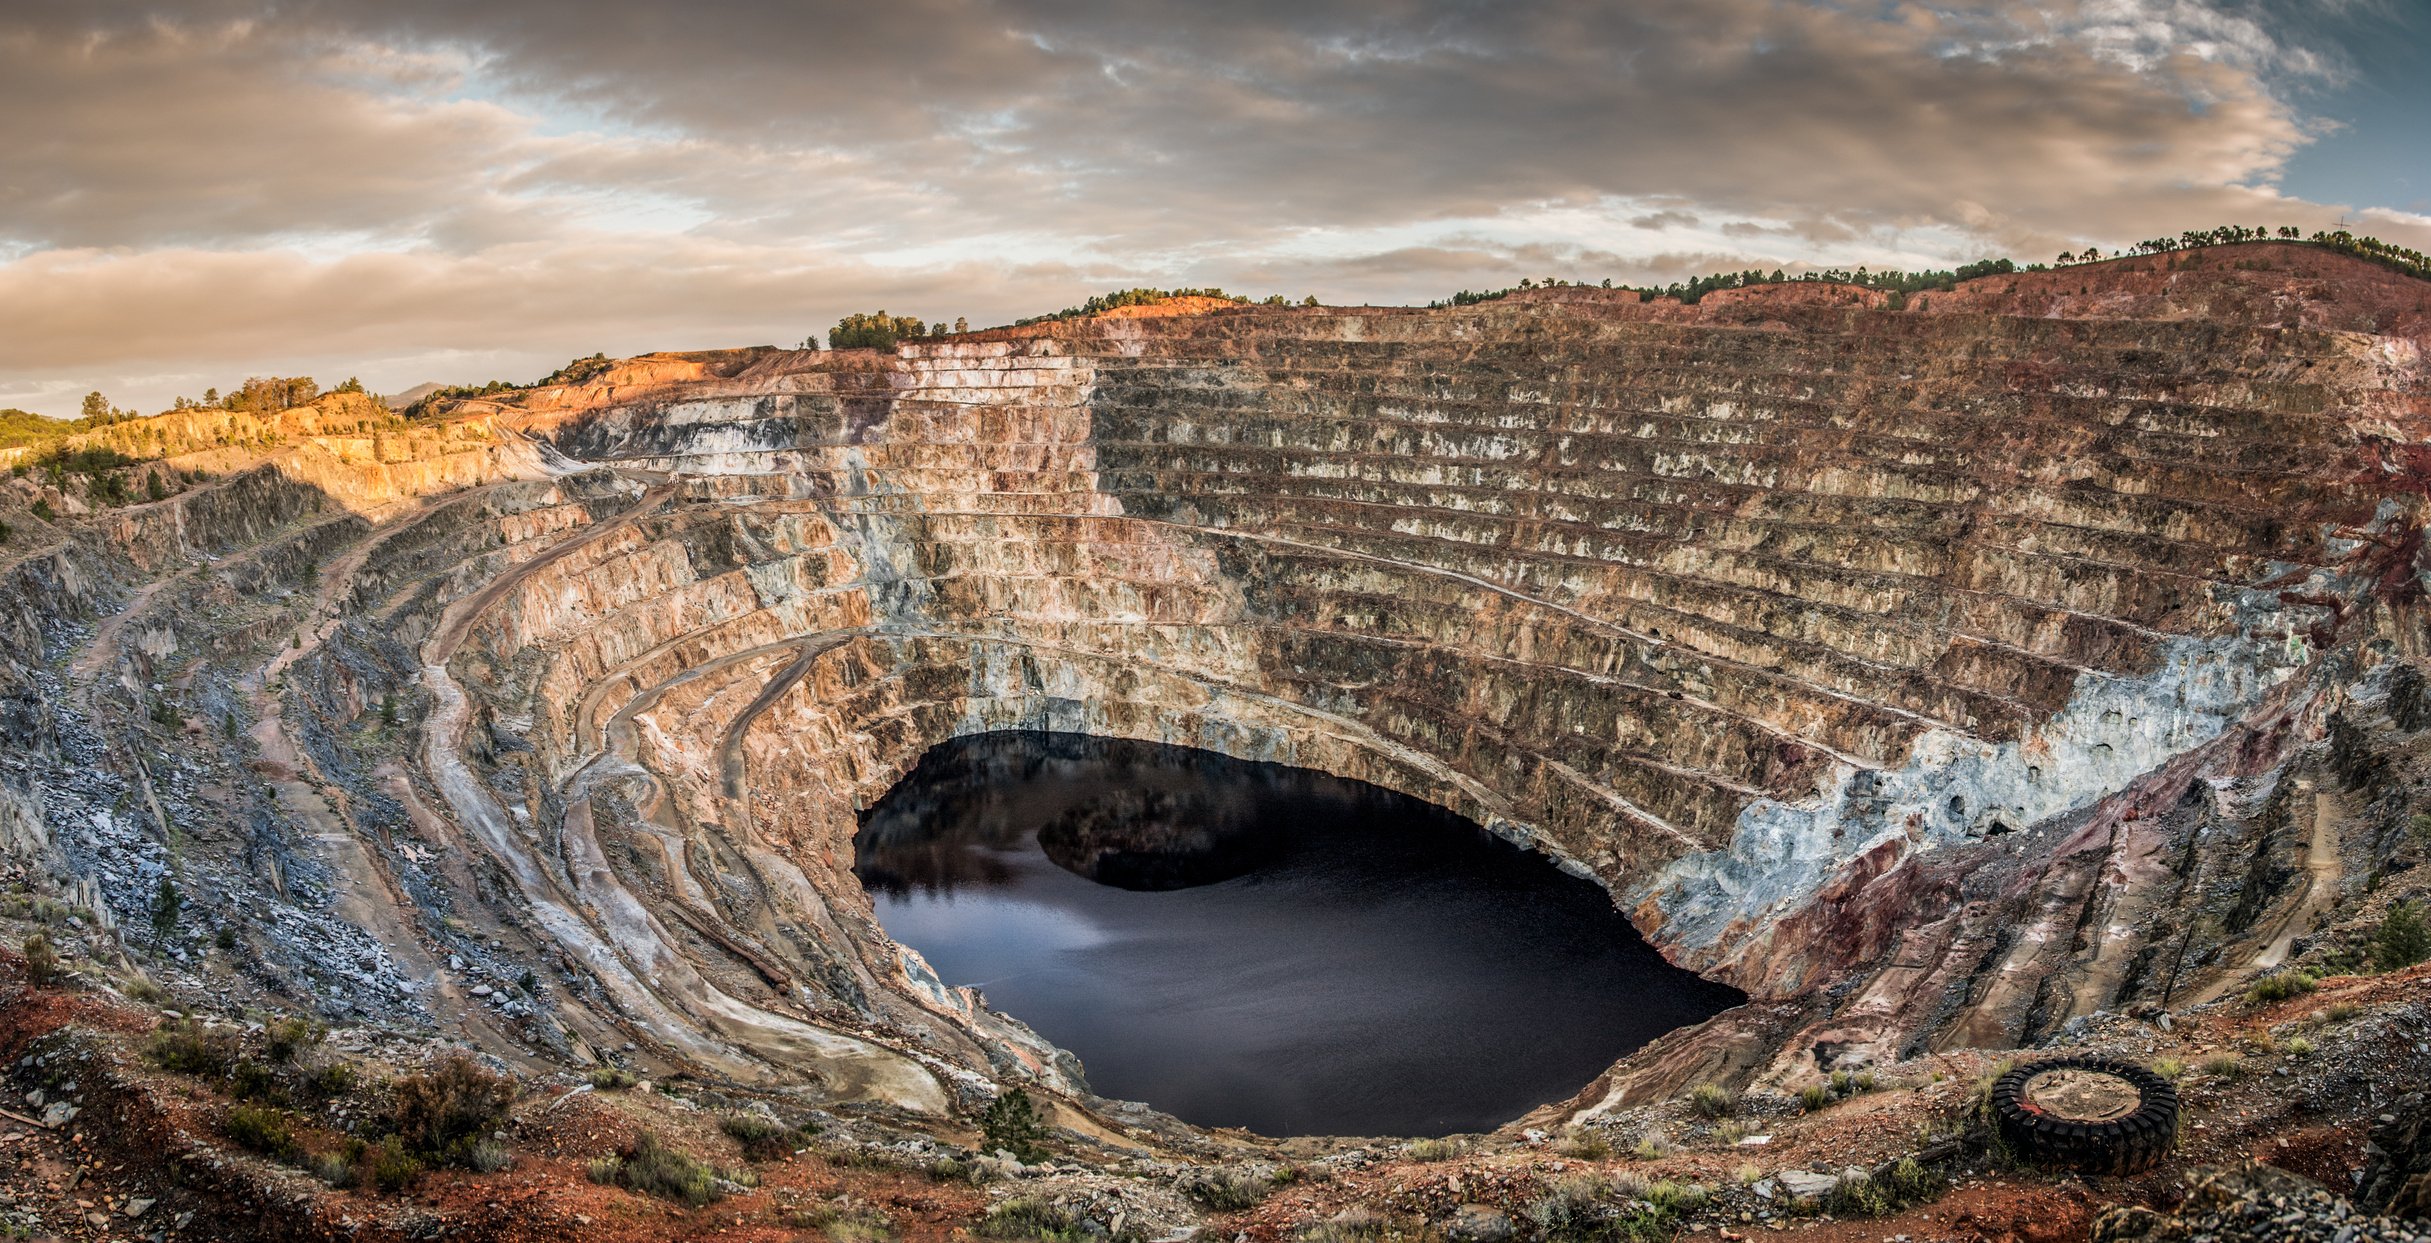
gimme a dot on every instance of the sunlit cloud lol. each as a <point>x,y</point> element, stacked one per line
<point>447,191</point>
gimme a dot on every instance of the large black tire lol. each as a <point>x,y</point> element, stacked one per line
<point>2128,1144</point>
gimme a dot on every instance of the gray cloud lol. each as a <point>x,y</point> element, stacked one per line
<point>216,180</point>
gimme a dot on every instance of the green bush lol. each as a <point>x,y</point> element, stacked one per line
<point>1037,1221</point>
<point>580,371</point>
<point>1011,1124</point>
<point>283,1038</point>
<point>653,1169</point>
<point>1227,1190</point>
<point>1437,1149</point>
<point>167,902</point>
<point>875,331</point>
<point>1582,1143</point>
<point>1712,1100</point>
<point>846,1223</point>
<point>41,960</point>
<point>612,1079</point>
<point>389,1168</point>
<point>262,1129</point>
<point>249,1080</point>
<point>2402,939</point>
<point>337,1168</point>
<point>1904,1185</point>
<point>2279,986</point>
<point>442,1113</point>
<point>764,1138</point>
<point>187,1047</point>
<point>487,1156</point>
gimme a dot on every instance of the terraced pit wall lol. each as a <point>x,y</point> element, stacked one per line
<point>1876,658</point>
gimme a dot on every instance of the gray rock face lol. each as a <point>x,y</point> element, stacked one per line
<point>1806,1184</point>
<point>2397,1163</point>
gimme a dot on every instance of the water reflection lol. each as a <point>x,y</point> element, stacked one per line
<point>1254,945</point>
<point>1123,814</point>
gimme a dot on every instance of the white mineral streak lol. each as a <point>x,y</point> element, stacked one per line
<point>1955,789</point>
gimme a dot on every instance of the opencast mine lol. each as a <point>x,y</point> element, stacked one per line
<point>1963,672</point>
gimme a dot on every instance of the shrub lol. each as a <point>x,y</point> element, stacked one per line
<point>487,1156</point>
<point>337,1168</point>
<point>2298,1047</point>
<point>1731,1132</point>
<point>167,902</point>
<point>1025,1218</point>
<point>327,1081</point>
<point>653,1169</point>
<point>2340,1012</point>
<point>1814,1096</point>
<point>2402,940</point>
<point>580,371</point>
<point>1675,1197</point>
<point>249,1080</point>
<point>1591,1208</point>
<point>186,1047</point>
<point>1227,1190</point>
<point>847,1222</point>
<point>283,1038</point>
<point>1651,1148</point>
<point>764,1138</point>
<point>1712,1100</point>
<point>2224,1066</point>
<point>951,1170</point>
<point>2279,986</point>
<point>41,960</point>
<point>440,1114</point>
<point>878,331</point>
<point>2169,1068</point>
<point>1584,1144</point>
<point>259,1128</point>
<point>613,1079</point>
<point>1905,1184</point>
<point>1570,1208</point>
<point>389,1168</point>
<point>1436,1149</point>
<point>1010,1124</point>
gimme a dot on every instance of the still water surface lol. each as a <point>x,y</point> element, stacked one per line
<point>1245,944</point>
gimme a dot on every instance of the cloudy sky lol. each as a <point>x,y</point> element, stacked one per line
<point>467,189</point>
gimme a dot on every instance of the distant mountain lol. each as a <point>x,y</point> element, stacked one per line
<point>399,401</point>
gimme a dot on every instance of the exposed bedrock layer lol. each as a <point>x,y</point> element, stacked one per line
<point>1925,671</point>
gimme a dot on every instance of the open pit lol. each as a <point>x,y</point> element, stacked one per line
<point>1256,946</point>
<point>1939,674</point>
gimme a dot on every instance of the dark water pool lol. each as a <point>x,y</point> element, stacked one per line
<point>1252,945</point>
